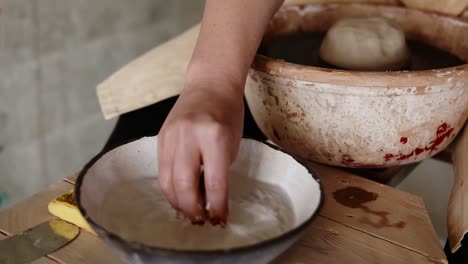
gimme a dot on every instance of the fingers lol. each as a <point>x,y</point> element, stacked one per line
<point>186,181</point>
<point>165,158</point>
<point>181,151</point>
<point>216,162</point>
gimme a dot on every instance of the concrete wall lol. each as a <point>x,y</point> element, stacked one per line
<point>52,55</point>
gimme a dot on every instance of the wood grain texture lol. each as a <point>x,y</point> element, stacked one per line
<point>32,211</point>
<point>399,205</point>
<point>44,260</point>
<point>457,215</point>
<point>332,237</point>
<point>395,216</point>
<point>88,249</point>
<point>72,179</point>
<point>327,241</point>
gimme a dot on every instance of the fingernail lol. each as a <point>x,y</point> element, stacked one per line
<point>198,221</point>
<point>217,221</point>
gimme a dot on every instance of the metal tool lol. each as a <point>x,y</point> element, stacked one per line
<point>37,242</point>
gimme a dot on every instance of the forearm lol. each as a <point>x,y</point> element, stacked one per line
<point>230,34</point>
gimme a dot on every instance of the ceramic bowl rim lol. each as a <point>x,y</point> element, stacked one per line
<point>140,247</point>
<point>394,79</point>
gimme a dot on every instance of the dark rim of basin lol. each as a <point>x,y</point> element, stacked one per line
<point>449,34</point>
<point>131,246</point>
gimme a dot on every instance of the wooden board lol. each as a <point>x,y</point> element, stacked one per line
<point>457,215</point>
<point>32,211</point>
<point>86,248</point>
<point>153,77</point>
<point>44,260</point>
<point>402,208</point>
<point>72,179</point>
<point>327,241</point>
<point>394,216</point>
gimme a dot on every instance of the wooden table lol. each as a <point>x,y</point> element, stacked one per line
<point>395,228</point>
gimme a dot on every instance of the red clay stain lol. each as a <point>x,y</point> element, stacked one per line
<point>418,151</point>
<point>355,197</point>
<point>443,131</point>
<point>388,157</point>
<point>383,219</point>
<point>405,157</point>
<point>404,140</point>
<point>346,158</point>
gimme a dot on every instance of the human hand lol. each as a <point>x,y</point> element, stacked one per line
<point>203,128</point>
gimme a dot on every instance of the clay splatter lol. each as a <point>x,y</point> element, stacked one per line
<point>404,140</point>
<point>443,131</point>
<point>345,158</point>
<point>355,197</point>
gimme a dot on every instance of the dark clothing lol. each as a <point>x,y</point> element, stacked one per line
<point>461,256</point>
<point>149,120</point>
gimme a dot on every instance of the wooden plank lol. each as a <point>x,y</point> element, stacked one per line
<point>43,260</point>
<point>402,215</point>
<point>86,248</point>
<point>163,67</point>
<point>356,242</point>
<point>72,179</point>
<point>327,241</point>
<point>32,211</point>
<point>457,215</point>
<point>394,215</point>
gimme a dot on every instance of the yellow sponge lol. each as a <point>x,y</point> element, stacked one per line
<point>64,207</point>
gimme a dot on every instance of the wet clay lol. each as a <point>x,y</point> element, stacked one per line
<point>303,48</point>
<point>355,197</point>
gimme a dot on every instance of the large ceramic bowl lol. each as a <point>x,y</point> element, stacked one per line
<point>361,119</point>
<point>135,239</point>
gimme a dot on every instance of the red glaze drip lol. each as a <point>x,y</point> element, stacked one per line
<point>443,131</point>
